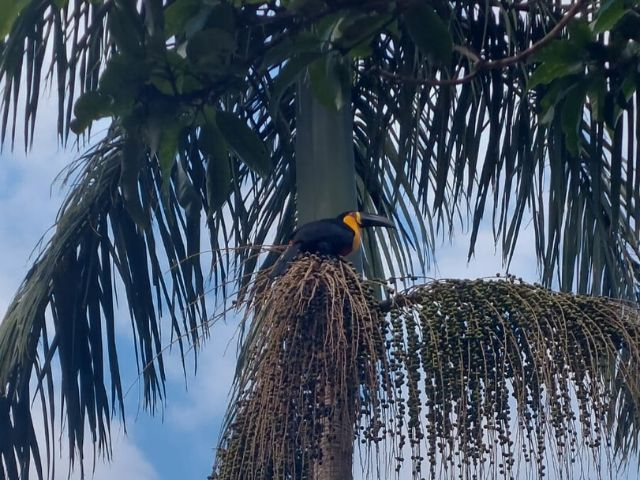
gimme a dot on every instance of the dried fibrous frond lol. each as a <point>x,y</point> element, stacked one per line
<point>315,353</point>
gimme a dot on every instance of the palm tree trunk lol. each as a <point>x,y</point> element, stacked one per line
<point>326,186</point>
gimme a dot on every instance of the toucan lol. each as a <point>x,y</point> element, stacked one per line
<point>329,236</point>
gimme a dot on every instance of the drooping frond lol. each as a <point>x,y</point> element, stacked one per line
<point>478,135</point>
<point>57,43</point>
<point>449,379</point>
<point>460,109</point>
<point>62,322</point>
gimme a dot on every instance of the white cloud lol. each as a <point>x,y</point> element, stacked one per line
<point>128,463</point>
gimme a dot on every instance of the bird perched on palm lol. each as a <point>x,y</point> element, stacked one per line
<point>330,236</point>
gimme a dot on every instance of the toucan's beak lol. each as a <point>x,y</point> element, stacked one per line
<point>369,220</point>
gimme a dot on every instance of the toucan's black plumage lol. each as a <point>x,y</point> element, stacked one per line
<point>330,236</point>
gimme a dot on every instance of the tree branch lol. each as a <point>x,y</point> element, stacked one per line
<point>482,65</point>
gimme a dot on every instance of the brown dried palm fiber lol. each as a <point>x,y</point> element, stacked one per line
<point>316,342</point>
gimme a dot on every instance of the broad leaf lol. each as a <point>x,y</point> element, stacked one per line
<point>429,32</point>
<point>290,48</point>
<point>361,28</point>
<point>330,81</point>
<point>548,72</point>
<point>580,35</point>
<point>246,144</point>
<point>211,49</point>
<point>123,78</point>
<point>218,170</point>
<point>178,13</point>
<point>560,52</point>
<point>608,15</point>
<point>10,10</point>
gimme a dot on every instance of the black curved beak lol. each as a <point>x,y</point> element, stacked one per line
<point>370,220</point>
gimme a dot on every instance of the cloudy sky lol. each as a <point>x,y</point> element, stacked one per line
<point>180,442</point>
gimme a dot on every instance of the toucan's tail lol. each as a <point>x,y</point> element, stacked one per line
<point>283,262</point>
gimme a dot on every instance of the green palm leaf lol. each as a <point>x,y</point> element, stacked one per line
<point>517,114</point>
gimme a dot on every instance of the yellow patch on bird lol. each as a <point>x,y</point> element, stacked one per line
<point>353,222</point>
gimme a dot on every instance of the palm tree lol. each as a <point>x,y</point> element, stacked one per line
<point>248,111</point>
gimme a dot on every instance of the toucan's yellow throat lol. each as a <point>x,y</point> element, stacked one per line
<point>352,219</point>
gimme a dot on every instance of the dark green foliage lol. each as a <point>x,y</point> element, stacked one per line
<point>507,115</point>
<point>429,32</point>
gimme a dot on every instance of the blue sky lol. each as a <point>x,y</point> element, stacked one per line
<point>180,442</point>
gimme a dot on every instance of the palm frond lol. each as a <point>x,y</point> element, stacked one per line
<point>100,230</point>
<point>445,145</point>
<point>51,42</point>
<point>486,145</point>
<point>441,134</point>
